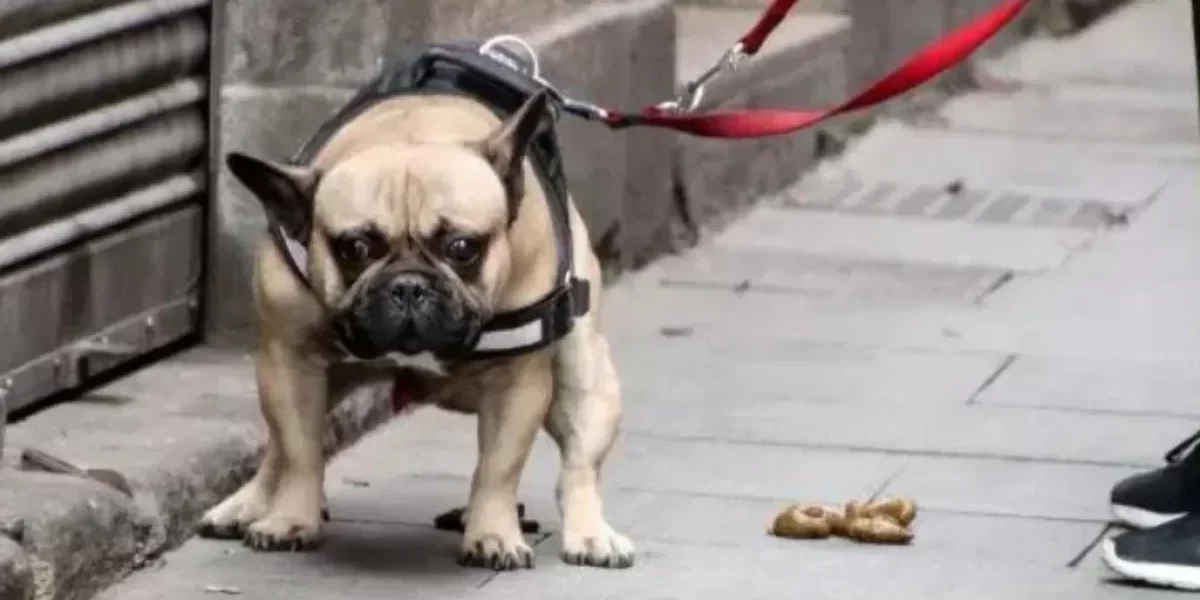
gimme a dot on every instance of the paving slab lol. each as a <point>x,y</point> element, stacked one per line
<point>1115,174</point>
<point>741,522</point>
<point>1141,279</point>
<point>686,541</point>
<point>1149,34</point>
<point>1158,387</point>
<point>790,570</point>
<point>954,202</point>
<point>1174,211</point>
<point>879,238</point>
<point>427,479</point>
<point>797,372</point>
<point>1069,330</point>
<point>1018,489</point>
<point>825,279</point>
<point>376,560</point>
<point>966,431</point>
<point>716,467</point>
<point>1075,115</point>
<point>429,475</point>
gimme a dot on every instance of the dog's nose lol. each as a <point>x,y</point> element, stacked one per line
<point>410,288</point>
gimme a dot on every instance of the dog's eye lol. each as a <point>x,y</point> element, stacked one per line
<point>360,249</point>
<point>463,251</point>
<point>356,249</point>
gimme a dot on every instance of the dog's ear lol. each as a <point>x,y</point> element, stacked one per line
<point>285,191</point>
<point>506,147</point>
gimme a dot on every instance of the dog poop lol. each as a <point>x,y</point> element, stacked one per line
<point>879,522</point>
<point>878,530</point>
<point>900,510</point>
<point>803,522</point>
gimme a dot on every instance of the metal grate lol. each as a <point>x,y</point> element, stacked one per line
<point>105,127</point>
<point>954,202</point>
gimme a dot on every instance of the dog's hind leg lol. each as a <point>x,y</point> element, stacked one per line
<point>584,419</point>
<point>509,419</point>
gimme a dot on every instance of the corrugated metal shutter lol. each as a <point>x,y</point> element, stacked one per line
<point>105,128</point>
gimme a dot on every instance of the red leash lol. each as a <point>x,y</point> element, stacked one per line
<point>926,64</point>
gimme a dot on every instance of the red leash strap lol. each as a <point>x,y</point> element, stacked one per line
<point>926,64</point>
<point>770,19</point>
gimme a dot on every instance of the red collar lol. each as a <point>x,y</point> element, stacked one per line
<point>404,393</point>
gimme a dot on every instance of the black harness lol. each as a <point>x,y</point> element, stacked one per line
<point>502,81</point>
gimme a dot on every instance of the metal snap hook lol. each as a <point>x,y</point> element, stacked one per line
<point>692,95</point>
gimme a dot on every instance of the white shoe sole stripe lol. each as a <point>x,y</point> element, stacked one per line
<point>1175,576</point>
<point>1140,518</point>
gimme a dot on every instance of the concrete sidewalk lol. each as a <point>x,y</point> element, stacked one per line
<point>990,309</point>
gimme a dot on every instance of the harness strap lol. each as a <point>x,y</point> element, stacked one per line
<point>537,325</point>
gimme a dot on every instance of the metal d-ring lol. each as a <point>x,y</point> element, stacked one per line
<point>486,47</point>
<point>580,108</point>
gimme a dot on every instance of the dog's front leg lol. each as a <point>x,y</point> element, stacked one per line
<point>230,518</point>
<point>293,392</point>
<point>584,420</point>
<point>509,418</point>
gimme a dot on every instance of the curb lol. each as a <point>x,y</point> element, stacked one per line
<point>1066,17</point>
<point>180,451</point>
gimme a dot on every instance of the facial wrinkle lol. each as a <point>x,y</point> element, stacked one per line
<point>414,196</point>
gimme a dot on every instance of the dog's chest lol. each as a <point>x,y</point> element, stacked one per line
<point>458,392</point>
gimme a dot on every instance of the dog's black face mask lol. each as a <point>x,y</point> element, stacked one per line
<point>407,310</point>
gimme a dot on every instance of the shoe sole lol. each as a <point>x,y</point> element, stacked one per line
<point>1162,575</point>
<point>1140,518</point>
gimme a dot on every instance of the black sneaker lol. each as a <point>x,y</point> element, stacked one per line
<point>1155,497</point>
<point>1167,555</point>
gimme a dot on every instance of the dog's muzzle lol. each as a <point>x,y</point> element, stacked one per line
<point>410,312</point>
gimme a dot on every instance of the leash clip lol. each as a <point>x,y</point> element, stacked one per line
<point>579,108</point>
<point>692,95</point>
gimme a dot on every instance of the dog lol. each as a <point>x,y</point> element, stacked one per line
<point>423,217</point>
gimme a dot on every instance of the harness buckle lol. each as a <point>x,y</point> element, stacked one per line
<point>692,95</point>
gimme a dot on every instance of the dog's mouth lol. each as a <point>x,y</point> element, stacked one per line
<point>376,326</point>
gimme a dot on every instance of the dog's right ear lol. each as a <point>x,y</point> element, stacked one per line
<point>505,148</point>
<point>285,191</point>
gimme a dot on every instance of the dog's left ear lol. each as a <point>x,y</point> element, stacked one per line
<point>506,147</point>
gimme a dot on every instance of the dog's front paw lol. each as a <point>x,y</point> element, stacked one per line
<point>497,552</point>
<point>602,547</point>
<point>229,519</point>
<point>284,532</point>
